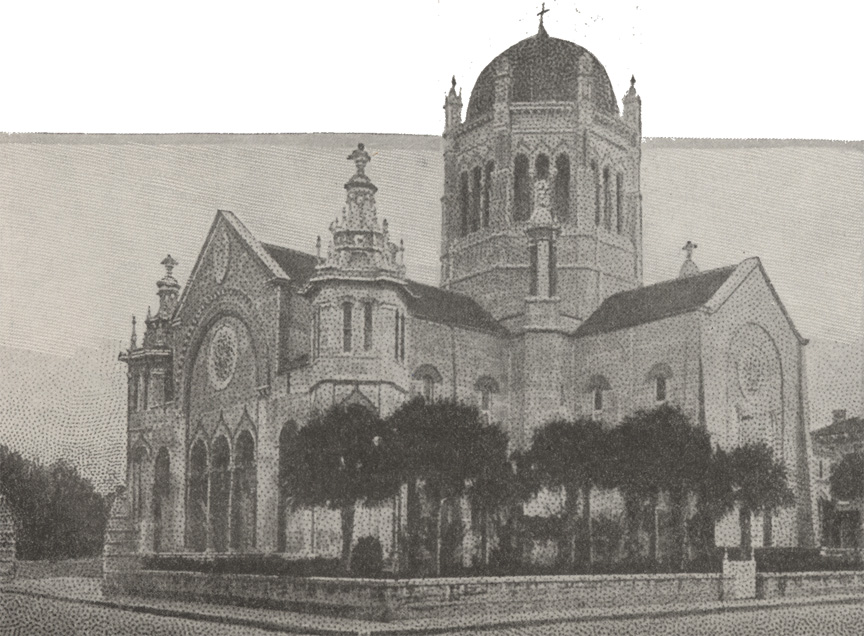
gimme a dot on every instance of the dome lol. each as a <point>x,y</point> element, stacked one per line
<point>543,69</point>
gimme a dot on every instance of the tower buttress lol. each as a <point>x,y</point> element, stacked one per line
<point>633,108</point>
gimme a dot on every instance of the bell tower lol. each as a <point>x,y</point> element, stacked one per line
<point>543,111</point>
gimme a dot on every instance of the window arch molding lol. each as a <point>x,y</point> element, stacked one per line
<point>430,378</point>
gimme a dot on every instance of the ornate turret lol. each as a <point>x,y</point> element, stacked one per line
<point>360,247</point>
<point>633,107</point>
<point>150,372</point>
<point>452,108</point>
<point>159,326</point>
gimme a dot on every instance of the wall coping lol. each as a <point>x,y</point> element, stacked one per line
<point>480,580</point>
<point>820,574</point>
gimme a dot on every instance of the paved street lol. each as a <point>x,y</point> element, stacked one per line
<point>25,615</point>
<point>833,620</point>
<point>31,616</point>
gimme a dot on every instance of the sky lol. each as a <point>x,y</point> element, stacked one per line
<point>728,69</point>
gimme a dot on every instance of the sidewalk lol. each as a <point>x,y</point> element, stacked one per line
<point>87,591</point>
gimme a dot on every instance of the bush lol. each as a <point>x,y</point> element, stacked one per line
<point>367,559</point>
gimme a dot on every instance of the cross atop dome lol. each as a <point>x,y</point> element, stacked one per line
<point>541,30</point>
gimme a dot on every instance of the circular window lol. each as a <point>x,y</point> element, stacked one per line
<point>222,357</point>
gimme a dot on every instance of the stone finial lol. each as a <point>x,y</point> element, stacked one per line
<point>169,264</point>
<point>688,267</point>
<point>360,158</point>
<point>453,86</point>
<point>318,248</point>
<point>133,339</point>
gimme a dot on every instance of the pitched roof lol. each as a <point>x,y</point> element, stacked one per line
<point>299,266</point>
<point>441,305</point>
<point>849,426</point>
<point>654,302</point>
<point>424,301</point>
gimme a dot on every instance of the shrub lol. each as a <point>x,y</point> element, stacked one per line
<point>267,564</point>
<point>368,558</point>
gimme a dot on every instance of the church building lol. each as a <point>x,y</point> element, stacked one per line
<point>541,312</point>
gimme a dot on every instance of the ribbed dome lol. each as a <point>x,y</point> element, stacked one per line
<point>543,69</point>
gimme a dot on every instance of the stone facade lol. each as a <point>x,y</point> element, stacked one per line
<point>541,313</point>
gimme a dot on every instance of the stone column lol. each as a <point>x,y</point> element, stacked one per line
<point>267,464</point>
<point>175,539</point>
<point>120,552</point>
<point>7,541</point>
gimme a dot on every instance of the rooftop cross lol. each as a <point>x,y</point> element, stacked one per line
<point>689,247</point>
<point>543,10</point>
<point>360,158</point>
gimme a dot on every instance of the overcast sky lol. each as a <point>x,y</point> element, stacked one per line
<point>722,69</point>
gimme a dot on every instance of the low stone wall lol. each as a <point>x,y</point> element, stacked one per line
<point>795,584</point>
<point>387,600</point>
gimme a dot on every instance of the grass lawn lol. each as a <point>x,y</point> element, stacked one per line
<point>90,568</point>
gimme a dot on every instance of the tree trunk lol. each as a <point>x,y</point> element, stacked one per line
<point>632,504</point>
<point>484,537</point>
<point>587,524</point>
<point>439,513</point>
<point>678,500</point>
<point>412,524</point>
<point>744,516</point>
<point>347,536</point>
<point>572,523</point>
<point>654,548</point>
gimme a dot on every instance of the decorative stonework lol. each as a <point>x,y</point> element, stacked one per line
<point>360,247</point>
<point>222,356</point>
<point>220,255</point>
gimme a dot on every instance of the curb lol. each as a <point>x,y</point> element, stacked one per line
<point>398,630</point>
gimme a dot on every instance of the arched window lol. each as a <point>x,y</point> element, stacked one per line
<point>429,379</point>
<point>487,193</point>
<point>476,194</point>
<point>316,332</point>
<point>521,189</point>
<point>161,500</point>
<point>619,203</point>
<point>169,383</point>
<point>486,387</point>
<point>533,269</point>
<point>658,377</point>
<point>220,489</point>
<point>347,326</point>
<point>196,507</point>
<point>607,200</point>
<point>399,337</point>
<point>136,482</point>
<point>597,388</point>
<point>595,177</point>
<point>464,203</point>
<point>367,325</point>
<point>541,167</point>
<point>244,497</point>
<point>561,194</point>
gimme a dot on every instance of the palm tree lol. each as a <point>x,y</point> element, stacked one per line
<point>441,446</point>
<point>759,484</point>
<point>494,485</point>
<point>658,451</point>
<point>570,455</point>
<point>340,458</point>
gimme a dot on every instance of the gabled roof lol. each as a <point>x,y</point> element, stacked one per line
<point>424,301</point>
<point>299,266</point>
<point>853,426</point>
<point>654,302</point>
<point>246,237</point>
<point>441,305</point>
